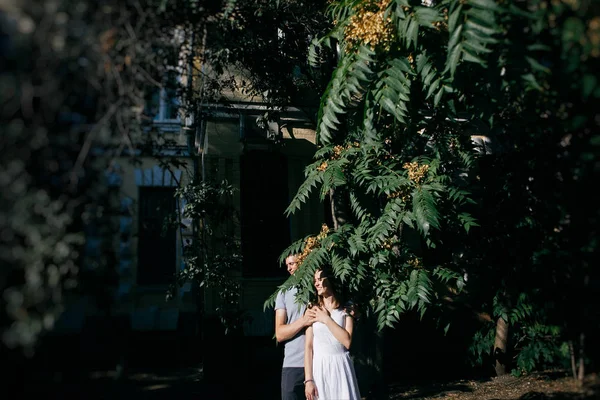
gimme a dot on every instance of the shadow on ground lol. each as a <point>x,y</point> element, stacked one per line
<point>172,383</point>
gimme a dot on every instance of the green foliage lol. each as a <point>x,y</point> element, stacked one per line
<point>540,349</point>
<point>483,343</point>
<point>534,343</point>
<point>427,209</point>
<point>472,27</point>
<point>347,85</point>
<point>212,257</point>
<point>267,44</point>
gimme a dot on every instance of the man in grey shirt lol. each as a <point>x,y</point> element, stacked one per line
<point>290,323</point>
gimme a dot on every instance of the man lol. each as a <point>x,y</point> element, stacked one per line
<point>290,323</point>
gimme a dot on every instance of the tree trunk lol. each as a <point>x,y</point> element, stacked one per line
<point>500,347</point>
<point>573,363</point>
<point>578,360</point>
<point>339,207</point>
<point>581,372</point>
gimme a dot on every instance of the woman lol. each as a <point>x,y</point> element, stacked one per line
<point>328,368</point>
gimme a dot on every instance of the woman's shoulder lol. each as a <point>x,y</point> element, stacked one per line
<point>341,311</point>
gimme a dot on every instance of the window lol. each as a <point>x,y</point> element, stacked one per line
<point>162,104</point>
<point>157,239</point>
<point>264,198</point>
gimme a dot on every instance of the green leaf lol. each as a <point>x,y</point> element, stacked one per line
<point>330,119</point>
<point>453,19</point>
<point>474,26</point>
<point>446,328</point>
<point>475,36</point>
<point>472,58</point>
<point>411,33</point>
<point>485,4</point>
<point>438,96</point>
<point>538,47</point>
<point>537,66</point>
<point>425,210</point>
<point>484,16</point>
<point>422,62</point>
<point>454,38</point>
<point>427,16</point>
<point>432,88</point>
<point>452,62</point>
<point>476,47</point>
<point>530,78</point>
<point>589,83</point>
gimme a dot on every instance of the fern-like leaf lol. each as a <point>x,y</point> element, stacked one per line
<point>425,210</point>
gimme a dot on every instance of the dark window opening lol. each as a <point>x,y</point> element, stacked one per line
<point>264,198</point>
<point>157,238</point>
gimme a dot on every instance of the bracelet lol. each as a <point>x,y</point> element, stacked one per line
<point>308,380</point>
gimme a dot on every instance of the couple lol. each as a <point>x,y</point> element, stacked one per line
<point>316,362</point>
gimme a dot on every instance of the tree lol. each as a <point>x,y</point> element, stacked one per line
<point>414,82</point>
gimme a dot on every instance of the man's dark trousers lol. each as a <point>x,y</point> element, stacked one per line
<point>292,384</point>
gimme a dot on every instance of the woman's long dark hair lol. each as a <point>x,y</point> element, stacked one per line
<point>332,283</point>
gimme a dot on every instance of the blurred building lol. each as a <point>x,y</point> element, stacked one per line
<point>231,140</point>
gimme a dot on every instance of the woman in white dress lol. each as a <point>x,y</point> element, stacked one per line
<point>328,368</point>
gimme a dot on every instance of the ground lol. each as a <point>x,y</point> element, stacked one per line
<point>554,385</point>
<point>188,383</point>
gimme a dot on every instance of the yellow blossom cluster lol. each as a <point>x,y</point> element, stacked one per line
<point>338,150</point>
<point>387,244</point>
<point>403,193</point>
<point>416,172</point>
<point>415,263</point>
<point>337,153</point>
<point>312,243</point>
<point>370,26</point>
<point>442,25</point>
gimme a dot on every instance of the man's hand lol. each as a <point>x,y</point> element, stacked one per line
<point>353,310</point>
<point>310,391</point>
<point>309,317</point>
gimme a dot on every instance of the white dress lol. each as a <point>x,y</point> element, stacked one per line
<point>333,370</point>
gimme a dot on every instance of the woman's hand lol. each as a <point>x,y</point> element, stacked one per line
<point>321,314</point>
<point>310,391</point>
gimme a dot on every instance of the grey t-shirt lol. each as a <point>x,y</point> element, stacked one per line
<point>294,348</point>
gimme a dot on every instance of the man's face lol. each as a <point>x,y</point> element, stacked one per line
<point>291,264</point>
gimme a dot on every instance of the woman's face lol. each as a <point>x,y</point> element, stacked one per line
<point>321,284</point>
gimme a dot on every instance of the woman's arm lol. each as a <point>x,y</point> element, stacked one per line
<point>310,388</point>
<point>343,335</point>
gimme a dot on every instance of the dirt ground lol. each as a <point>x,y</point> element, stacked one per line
<point>189,383</point>
<point>549,385</point>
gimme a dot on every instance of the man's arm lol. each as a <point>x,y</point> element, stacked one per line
<point>285,331</point>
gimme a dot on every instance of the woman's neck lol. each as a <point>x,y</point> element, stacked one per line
<point>330,302</point>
